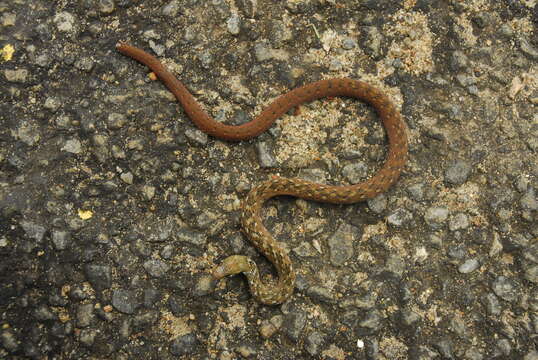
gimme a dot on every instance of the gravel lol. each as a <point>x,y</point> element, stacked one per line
<point>114,206</point>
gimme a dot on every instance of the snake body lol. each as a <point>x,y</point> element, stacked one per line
<point>277,291</point>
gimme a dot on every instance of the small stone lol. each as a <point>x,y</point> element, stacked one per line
<point>84,64</point>
<point>106,7</point>
<point>372,321</point>
<point>61,239</point>
<point>265,155</point>
<point>87,337</point>
<point>84,315</point>
<point>505,289</point>
<point>532,355</point>
<point>205,285</point>
<point>436,216</point>
<point>400,217</point>
<point>458,61</point>
<point>320,293</point>
<point>444,347</point>
<point>52,104</point>
<point>124,301</point>
<point>263,52</point>
<point>127,177</point>
<point>349,44</point>
<point>33,231</point>
<point>194,237</point>
<point>151,296</point>
<point>409,317</point>
<point>335,65</point>
<point>116,120</point>
<point>416,192</point>
<point>459,221</point>
<point>341,244</point>
<point>99,276</point>
<point>156,267</point>
<point>16,76</point>
<point>148,191</point>
<point>233,24</point>
<point>9,341</point>
<point>531,274</point>
<point>529,201</point>
<point>196,136</point>
<point>72,146</point>
<point>378,204</point>
<point>528,49</point>
<point>267,329</point>
<point>294,325</point>
<point>64,21</point>
<point>43,313</point>
<point>468,266</point>
<point>473,354</point>
<point>458,172</point>
<point>503,348</point>
<point>171,9</point>
<point>314,342</point>
<point>356,172</point>
<point>184,345</point>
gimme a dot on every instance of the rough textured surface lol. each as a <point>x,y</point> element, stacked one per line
<point>89,198</point>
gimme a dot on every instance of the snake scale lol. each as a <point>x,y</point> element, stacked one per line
<point>280,289</point>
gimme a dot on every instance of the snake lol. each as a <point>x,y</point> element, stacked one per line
<point>276,290</point>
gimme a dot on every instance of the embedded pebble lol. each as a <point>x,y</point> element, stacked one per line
<point>400,217</point>
<point>184,345</point>
<point>378,204</point>
<point>125,301</point>
<point>355,172</point>
<point>99,276</point>
<point>196,136</point>
<point>156,267</point>
<point>436,216</point>
<point>233,24</point>
<point>341,244</point>
<point>265,155</point>
<point>84,315</point>
<point>116,120</point>
<point>61,239</point>
<point>33,231</point>
<point>171,9</point>
<point>127,177</point>
<point>72,146</point>
<point>263,52</point>
<point>459,221</point>
<point>16,76</point>
<point>505,289</point>
<point>314,342</point>
<point>468,266</point>
<point>294,324</point>
<point>458,172</point>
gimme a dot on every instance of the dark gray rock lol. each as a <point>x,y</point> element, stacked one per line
<point>156,268</point>
<point>184,345</point>
<point>100,276</point>
<point>458,172</point>
<point>125,301</point>
<point>341,244</point>
<point>294,324</point>
<point>84,315</point>
<point>505,288</point>
<point>314,342</point>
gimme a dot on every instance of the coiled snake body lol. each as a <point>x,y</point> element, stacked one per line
<point>278,291</point>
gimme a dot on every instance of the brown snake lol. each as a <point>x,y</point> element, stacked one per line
<point>276,292</point>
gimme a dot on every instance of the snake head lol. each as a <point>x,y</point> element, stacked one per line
<point>232,265</point>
